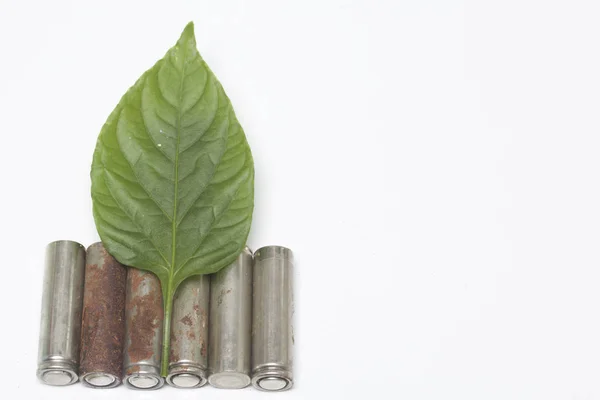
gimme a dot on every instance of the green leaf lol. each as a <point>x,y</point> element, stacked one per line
<point>173,175</point>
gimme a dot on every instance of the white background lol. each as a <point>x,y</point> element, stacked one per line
<point>433,165</point>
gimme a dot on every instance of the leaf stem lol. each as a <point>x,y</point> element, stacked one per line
<point>166,332</point>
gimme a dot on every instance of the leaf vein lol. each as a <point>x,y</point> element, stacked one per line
<point>134,222</point>
<point>210,178</point>
<point>183,113</point>
<point>214,222</point>
<point>160,149</point>
<point>139,181</point>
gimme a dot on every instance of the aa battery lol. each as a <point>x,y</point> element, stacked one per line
<point>230,324</point>
<point>272,309</point>
<point>188,361</point>
<point>143,331</point>
<point>60,328</point>
<point>103,322</point>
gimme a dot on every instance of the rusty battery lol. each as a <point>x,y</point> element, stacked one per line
<point>188,360</point>
<point>103,322</point>
<point>143,331</point>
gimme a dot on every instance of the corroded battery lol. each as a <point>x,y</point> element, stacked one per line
<point>143,331</point>
<point>272,310</point>
<point>188,360</point>
<point>103,322</point>
<point>230,324</point>
<point>60,328</point>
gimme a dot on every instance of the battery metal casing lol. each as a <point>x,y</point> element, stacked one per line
<point>60,327</point>
<point>143,331</point>
<point>188,361</point>
<point>230,327</point>
<point>103,322</point>
<point>272,311</point>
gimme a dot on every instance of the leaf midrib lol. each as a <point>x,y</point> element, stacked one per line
<point>174,224</point>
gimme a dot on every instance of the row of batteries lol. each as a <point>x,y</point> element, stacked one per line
<point>102,322</point>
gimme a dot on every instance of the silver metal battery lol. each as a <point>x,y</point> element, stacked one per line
<point>62,303</point>
<point>272,310</point>
<point>230,324</point>
<point>188,361</point>
<point>143,331</point>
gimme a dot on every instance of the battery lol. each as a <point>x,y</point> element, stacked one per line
<point>143,331</point>
<point>60,328</point>
<point>188,361</point>
<point>230,324</point>
<point>103,322</point>
<point>272,310</point>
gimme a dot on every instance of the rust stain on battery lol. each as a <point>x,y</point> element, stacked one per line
<point>134,369</point>
<point>203,348</point>
<point>222,295</point>
<point>146,313</point>
<point>173,352</point>
<point>103,321</point>
<point>187,320</point>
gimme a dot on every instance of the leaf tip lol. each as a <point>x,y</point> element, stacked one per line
<point>188,33</point>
